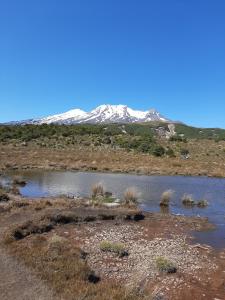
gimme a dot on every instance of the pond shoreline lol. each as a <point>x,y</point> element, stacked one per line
<point>111,171</point>
<point>106,160</point>
<point>84,226</point>
<point>149,189</point>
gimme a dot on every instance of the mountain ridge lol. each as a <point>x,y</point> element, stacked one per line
<point>105,113</point>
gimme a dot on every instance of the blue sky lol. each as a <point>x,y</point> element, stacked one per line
<point>56,55</point>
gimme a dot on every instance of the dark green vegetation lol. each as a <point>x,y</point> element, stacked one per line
<point>131,137</point>
<point>189,132</point>
<point>140,138</point>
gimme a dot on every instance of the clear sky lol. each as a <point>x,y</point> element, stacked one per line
<point>56,55</point>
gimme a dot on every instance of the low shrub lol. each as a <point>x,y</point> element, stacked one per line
<point>56,239</point>
<point>169,152</point>
<point>158,151</point>
<point>117,248</point>
<point>165,265</point>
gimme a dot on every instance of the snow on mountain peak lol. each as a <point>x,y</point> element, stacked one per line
<point>105,113</point>
<point>74,114</point>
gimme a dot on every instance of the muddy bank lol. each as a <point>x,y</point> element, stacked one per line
<point>77,229</point>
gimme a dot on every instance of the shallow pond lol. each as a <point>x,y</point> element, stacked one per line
<point>150,188</point>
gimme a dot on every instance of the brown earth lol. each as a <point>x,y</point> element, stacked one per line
<point>207,159</point>
<point>200,269</point>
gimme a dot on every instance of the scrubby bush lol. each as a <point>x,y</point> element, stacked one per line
<point>169,152</point>
<point>117,248</point>
<point>158,150</point>
<point>56,240</point>
<point>164,265</point>
<point>177,138</point>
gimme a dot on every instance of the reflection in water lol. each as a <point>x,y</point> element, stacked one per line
<point>51,183</point>
<point>164,209</point>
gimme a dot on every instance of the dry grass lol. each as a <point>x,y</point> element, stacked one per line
<point>97,190</point>
<point>166,197</point>
<point>164,265</point>
<point>117,248</point>
<point>130,196</point>
<point>204,159</point>
<point>62,265</point>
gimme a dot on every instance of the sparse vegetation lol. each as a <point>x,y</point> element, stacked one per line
<point>130,196</point>
<point>58,261</point>
<point>166,197</point>
<point>114,247</point>
<point>97,190</point>
<point>202,203</point>
<point>188,200</point>
<point>165,265</point>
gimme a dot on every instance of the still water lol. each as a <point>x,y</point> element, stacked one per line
<point>150,188</point>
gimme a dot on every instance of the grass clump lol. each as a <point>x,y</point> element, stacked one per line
<point>202,203</point>
<point>100,196</point>
<point>97,190</point>
<point>117,248</point>
<point>56,239</point>
<point>188,200</point>
<point>130,196</point>
<point>166,197</point>
<point>165,265</point>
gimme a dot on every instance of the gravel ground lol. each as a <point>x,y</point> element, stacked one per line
<point>140,265</point>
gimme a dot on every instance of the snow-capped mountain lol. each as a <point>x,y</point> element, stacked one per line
<point>102,114</point>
